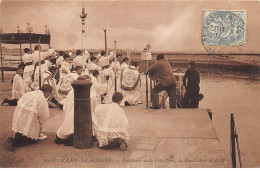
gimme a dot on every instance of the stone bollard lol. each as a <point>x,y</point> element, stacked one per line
<point>82,137</point>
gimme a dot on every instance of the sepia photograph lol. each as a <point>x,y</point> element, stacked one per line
<point>130,84</point>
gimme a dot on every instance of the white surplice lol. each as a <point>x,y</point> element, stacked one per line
<point>67,127</point>
<point>28,69</point>
<point>20,86</point>
<point>64,86</point>
<point>30,114</point>
<point>109,122</point>
<point>44,67</point>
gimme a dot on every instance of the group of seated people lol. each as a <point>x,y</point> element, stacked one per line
<point>42,82</point>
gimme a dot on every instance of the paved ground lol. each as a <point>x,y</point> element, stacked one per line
<point>159,138</point>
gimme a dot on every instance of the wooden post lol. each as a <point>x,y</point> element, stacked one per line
<point>232,140</point>
<point>40,70</point>
<point>21,52</point>
<point>2,67</point>
<point>150,83</point>
<point>83,133</point>
<point>146,89</point>
<point>115,61</point>
<point>105,31</point>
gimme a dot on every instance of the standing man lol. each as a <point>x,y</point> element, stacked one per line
<point>60,59</point>
<point>29,116</point>
<point>191,97</point>
<point>161,72</point>
<point>39,58</point>
<point>28,63</point>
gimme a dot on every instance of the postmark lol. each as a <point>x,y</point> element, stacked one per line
<point>224,27</point>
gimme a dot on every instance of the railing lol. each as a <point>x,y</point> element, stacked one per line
<point>234,142</point>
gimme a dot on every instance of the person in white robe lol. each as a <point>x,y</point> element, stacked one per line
<point>48,61</point>
<point>29,116</point>
<point>28,63</point>
<point>109,76</point>
<point>117,69</point>
<point>92,65</point>
<point>49,78</point>
<point>65,85</point>
<point>110,124</point>
<point>130,81</point>
<point>65,67</point>
<point>103,61</point>
<point>80,60</point>
<point>39,58</point>
<point>60,59</point>
<point>20,87</point>
<point>125,64</point>
<point>64,134</point>
<point>97,89</point>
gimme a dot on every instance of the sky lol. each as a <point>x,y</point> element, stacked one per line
<point>173,26</point>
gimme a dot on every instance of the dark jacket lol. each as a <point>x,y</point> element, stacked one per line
<point>161,71</point>
<point>193,77</point>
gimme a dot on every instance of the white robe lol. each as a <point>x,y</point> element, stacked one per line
<point>44,67</point>
<point>20,86</point>
<point>59,61</point>
<point>67,127</point>
<point>130,77</point>
<point>28,70</point>
<point>97,89</point>
<point>65,86</point>
<point>124,66</point>
<point>92,66</point>
<point>109,122</point>
<point>64,70</point>
<point>30,114</point>
<point>79,61</point>
<point>48,79</point>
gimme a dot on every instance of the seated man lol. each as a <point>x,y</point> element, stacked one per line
<point>110,124</point>
<point>130,81</point>
<point>29,116</point>
<point>20,86</point>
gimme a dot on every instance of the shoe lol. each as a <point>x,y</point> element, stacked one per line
<point>127,104</point>
<point>154,107</point>
<point>5,101</point>
<point>10,144</point>
<point>42,136</point>
<point>58,140</point>
<point>61,106</point>
<point>123,145</point>
<point>94,139</point>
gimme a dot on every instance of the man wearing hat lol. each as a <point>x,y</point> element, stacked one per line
<point>191,81</point>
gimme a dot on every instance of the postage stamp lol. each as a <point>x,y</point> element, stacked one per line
<point>224,27</point>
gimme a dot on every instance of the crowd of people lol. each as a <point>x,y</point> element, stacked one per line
<point>49,74</point>
<point>44,80</point>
